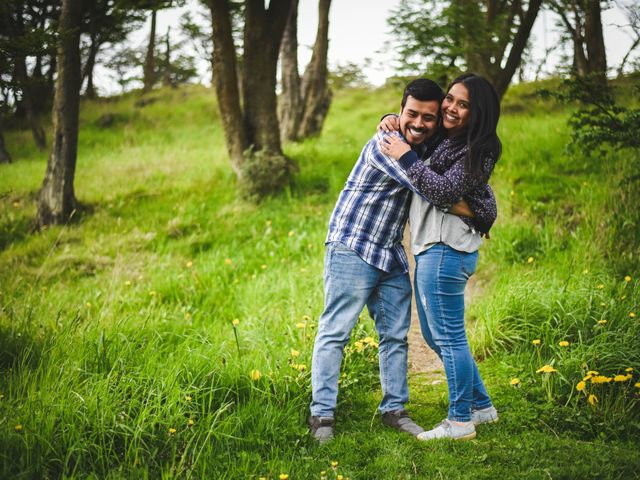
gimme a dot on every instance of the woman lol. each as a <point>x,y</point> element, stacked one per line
<point>446,246</point>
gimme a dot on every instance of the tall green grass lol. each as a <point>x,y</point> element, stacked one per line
<point>167,330</point>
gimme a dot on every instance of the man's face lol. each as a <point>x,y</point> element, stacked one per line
<point>418,119</point>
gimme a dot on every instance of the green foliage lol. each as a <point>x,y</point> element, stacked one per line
<point>264,174</point>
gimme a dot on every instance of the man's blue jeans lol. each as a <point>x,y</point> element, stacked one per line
<point>440,278</point>
<point>350,284</point>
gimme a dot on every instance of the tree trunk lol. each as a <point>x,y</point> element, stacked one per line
<point>4,155</point>
<point>90,91</point>
<point>316,93</point>
<point>262,36</point>
<point>57,201</point>
<point>226,83</point>
<point>504,75</point>
<point>290,101</point>
<point>594,40</point>
<point>149,68</point>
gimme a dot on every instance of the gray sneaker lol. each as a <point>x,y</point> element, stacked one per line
<point>448,429</point>
<point>400,420</point>
<point>484,415</point>
<point>321,428</point>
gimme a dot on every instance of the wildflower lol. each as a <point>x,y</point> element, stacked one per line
<point>16,204</point>
<point>334,465</point>
<point>369,340</point>
<point>627,278</point>
<point>630,369</point>
<point>306,318</point>
<point>629,376</point>
<point>581,386</point>
<point>295,353</point>
<point>600,287</point>
<point>546,369</point>
<point>585,271</point>
<point>301,325</point>
<point>632,314</point>
<point>637,385</point>
<point>187,398</point>
<point>563,343</point>
<point>172,430</point>
<point>189,264</point>
<point>127,283</point>
<point>359,346</point>
<point>187,316</point>
<point>301,367</point>
<point>291,233</point>
<point>602,322</point>
<point>620,378</point>
<point>190,422</point>
<point>623,297</point>
<point>536,341</point>
<point>235,322</point>
<point>283,476</point>
<point>593,399</point>
<point>512,193</point>
<point>600,379</point>
<point>228,261</point>
<point>515,382</point>
<point>18,427</point>
<point>339,477</point>
<point>255,375</point>
<point>263,266</point>
<point>530,260</point>
<point>602,304</point>
<point>152,293</point>
<point>592,373</point>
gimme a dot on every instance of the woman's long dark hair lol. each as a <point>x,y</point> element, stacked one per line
<point>481,136</point>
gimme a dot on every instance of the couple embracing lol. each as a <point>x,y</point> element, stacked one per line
<point>430,165</point>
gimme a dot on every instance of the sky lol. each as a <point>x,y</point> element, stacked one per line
<point>358,30</point>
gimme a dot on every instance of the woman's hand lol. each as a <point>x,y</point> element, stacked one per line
<point>393,146</point>
<point>389,123</point>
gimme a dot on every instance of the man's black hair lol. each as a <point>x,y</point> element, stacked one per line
<point>424,90</point>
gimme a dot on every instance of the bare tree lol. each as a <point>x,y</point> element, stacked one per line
<point>632,12</point>
<point>251,131</point>
<point>57,200</point>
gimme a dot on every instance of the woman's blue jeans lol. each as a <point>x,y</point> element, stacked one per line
<point>349,284</point>
<point>440,278</point>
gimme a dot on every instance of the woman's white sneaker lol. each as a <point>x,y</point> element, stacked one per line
<point>449,429</point>
<point>484,415</point>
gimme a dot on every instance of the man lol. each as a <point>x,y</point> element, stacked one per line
<point>365,264</point>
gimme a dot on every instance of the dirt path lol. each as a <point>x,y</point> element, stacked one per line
<point>422,360</point>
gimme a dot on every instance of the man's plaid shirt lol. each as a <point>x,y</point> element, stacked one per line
<point>373,207</point>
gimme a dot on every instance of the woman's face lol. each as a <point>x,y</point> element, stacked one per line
<point>455,110</point>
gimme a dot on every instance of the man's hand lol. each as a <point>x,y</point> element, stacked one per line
<point>393,146</point>
<point>461,209</point>
<point>389,123</point>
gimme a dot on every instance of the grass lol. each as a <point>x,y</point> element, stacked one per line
<point>153,335</point>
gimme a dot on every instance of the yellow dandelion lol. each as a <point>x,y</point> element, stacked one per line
<point>530,260</point>
<point>536,341</point>
<point>627,278</point>
<point>153,293</point>
<point>18,427</point>
<point>188,398</point>
<point>172,430</point>
<point>128,283</point>
<point>359,346</point>
<point>602,322</point>
<point>515,382</point>
<point>593,372</point>
<point>189,264</point>
<point>593,399</point>
<point>16,204</point>
<point>283,476</point>
<point>585,271</point>
<point>601,379</point>
<point>628,375</point>
<point>235,322</point>
<point>546,369</point>
<point>255,375</point>
<point>369,340</point>
<point>637,385</point>
<point>190,422</point>
<point>563,343</point>
<point>301,367</point>
<point>306,318</point>
<point>88,304</point>
<point>228,261</point>
<point>630,369</point>
<point>620,378</point>
<point>291,233</point>
<point>301,325</point>
<point>187,316</point>
<point>339,477</point>
<point>512,193</point>
<point>263,266</point>
<point>268,223</point>
<point>600,287</point>
<point>295,353</point>
<point>632,314</point>
<point>581,386</point>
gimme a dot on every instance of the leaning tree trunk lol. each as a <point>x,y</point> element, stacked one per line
<point>90,91</point>
<point>225,80</point>
<point>4,155</point>
<point>149,67</point>
<point>594,39</point>
<point>315,92</point>
<point>57,200</point>
<point>290,101</point>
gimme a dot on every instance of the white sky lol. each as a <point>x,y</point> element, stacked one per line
<point>358,30</point>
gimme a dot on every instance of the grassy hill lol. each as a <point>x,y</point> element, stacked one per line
<point>167,330</point>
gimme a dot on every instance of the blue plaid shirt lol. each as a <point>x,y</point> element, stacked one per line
<point>372,208</point>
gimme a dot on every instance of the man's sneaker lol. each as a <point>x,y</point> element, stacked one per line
<point>399,419</point>
<point>321,428</point>
<point>448,429</point>
<point>484,415</point>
